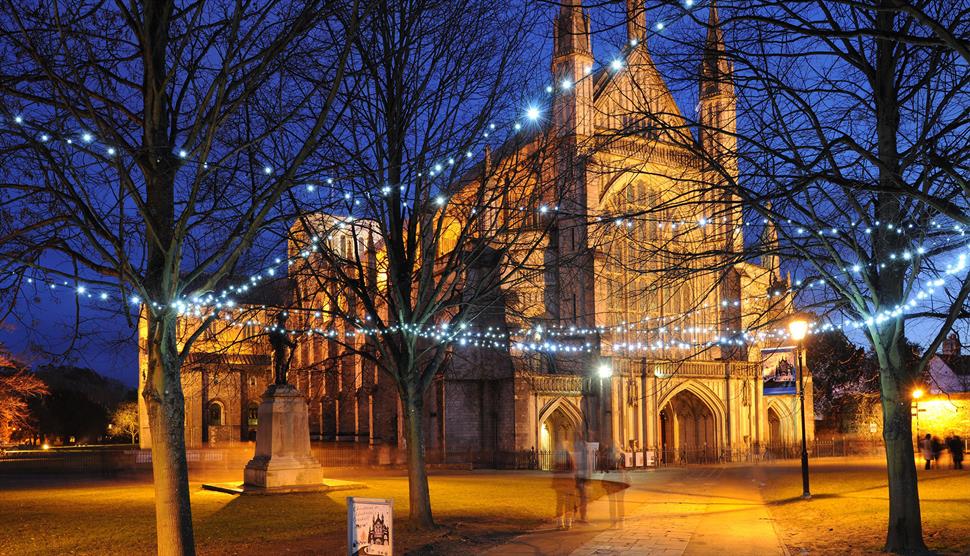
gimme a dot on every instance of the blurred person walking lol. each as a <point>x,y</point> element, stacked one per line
<point>926,448</point>
<point>955,445</point>
<point>615,488</point>
<point>937,450</point>
<point>582,478</point>
<point>564,484</point>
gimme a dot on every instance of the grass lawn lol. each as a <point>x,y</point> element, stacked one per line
<point>67,515</point>
<point>850,506</point>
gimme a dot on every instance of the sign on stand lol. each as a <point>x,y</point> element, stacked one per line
<point>370,526</point>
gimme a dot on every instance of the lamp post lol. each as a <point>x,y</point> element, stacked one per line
<point>603,371</point>
<point>798,328</point>
<point>917,394</point>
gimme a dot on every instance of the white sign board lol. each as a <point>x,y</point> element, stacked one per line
<point>370,526</point>
<point>651,458</point>
<point>639,459</point>
<point>627,459</point>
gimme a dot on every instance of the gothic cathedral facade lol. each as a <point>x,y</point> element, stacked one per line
<point>659,306</point>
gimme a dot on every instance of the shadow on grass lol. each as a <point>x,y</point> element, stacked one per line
<point>793,499</point>
<point>252,523</point>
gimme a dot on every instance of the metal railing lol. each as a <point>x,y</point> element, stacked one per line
<point>348,454</point>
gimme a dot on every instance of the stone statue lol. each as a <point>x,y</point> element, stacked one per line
<point>282,344</point>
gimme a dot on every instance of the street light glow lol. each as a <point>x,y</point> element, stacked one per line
<point>918,393</point>
<point>798,328</point>
<point>604,371</point>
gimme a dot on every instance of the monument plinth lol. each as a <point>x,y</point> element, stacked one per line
<point>283,461</point>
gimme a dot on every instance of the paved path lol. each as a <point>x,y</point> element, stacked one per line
<point>683,511</point>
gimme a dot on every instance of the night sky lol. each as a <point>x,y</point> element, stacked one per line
<point>41,328</point>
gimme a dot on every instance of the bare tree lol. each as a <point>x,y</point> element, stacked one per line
<point>851,138</point>
<point>146,147</point>
<point>417,243</point>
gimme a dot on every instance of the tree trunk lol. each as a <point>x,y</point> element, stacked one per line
<point>904,533</point>
<point>418,493</point>
<point>166,419</point>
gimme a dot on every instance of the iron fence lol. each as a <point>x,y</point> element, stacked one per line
<point>348,454</point>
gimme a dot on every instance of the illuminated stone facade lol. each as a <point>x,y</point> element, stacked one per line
<point>666,365</point>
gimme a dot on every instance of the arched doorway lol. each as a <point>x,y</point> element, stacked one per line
<point>774,427</point>
<point>558,431</point>
<point>689,429</point>
<point>216,414</point>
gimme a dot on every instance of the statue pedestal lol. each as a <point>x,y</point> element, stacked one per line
<point>283,462</point>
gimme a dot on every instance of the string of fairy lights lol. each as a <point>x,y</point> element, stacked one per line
<point>195,305</point>
<point>224,306</point>
<point>538,337</point>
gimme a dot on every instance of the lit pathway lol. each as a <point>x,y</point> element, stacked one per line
<point>694,510</point>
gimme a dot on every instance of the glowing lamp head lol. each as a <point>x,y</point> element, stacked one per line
<point>918,393</point>
<point>604,371</point>
<point>532,113</point>
<point>798,328</point>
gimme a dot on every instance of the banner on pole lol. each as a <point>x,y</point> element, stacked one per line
<point>779,371</point>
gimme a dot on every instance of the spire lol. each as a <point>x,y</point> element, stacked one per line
<point>572,63</point>
<point>571,30</point>
<point>717,113</point>
<point>715,68</point>
<point>636,22</point>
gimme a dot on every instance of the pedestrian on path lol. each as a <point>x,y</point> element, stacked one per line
<point>615,488</point>
<point>582,476</point>
<point>955,444</point>
<point>937,450</point>
<point>564,483</point>
<point>926,447</point>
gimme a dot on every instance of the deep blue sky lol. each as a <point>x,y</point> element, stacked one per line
<point>42,328</point>
<point>58,327</point>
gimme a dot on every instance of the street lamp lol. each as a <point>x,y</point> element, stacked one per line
<point>604,371</point>
<point>798,328</point>
<point>917,394</point>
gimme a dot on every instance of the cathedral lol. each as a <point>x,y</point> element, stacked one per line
<point>646,331</point>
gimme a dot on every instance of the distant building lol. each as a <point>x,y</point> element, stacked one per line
<point>950,370</point>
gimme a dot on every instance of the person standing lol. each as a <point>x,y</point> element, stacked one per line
<point>926,447</point>
<point>937,450</point>
<point>582,476</point>
<point>955,444</point>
